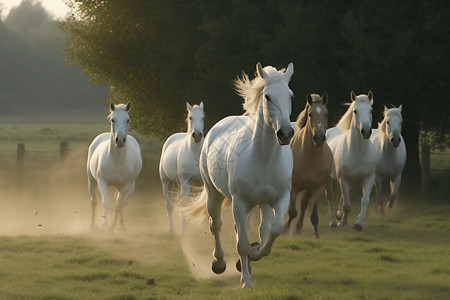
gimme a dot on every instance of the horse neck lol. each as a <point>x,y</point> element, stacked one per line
<point>307,136</point>
<point>355,140</point>
<point>114,151</point>
<point>263,135</point>
<point>193,146</point>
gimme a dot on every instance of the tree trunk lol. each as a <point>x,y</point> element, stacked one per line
<point>411,178</point>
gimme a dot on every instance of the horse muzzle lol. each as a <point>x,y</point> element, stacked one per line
<point>284,135</point>
<point>319,139</point>
<point>366,133</point>
<point>197,136</point>
<point>395,141</point>
<point>120,142</point>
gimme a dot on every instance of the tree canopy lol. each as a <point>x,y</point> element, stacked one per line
<point>159,54</point>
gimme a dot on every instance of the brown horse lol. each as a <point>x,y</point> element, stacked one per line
<point>313,162</point>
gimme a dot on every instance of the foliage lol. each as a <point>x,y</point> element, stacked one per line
<point>159,54</point>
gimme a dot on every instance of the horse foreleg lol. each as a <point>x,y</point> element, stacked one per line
<point>92,187</point>
<point>345,201</point>
<point>266,220</point>
<point>367,188</point>
<point>240,211</point>
<point>303,206</point>
<point>395,185</point>
<point>280,208</point>
<point>292,209</point>
<point>315,197</point>
<point>330,198</point>
<point>379,193</point>
<point>121,201</point>
<point>103,188</point>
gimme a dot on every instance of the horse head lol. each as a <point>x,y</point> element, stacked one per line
<point>317,116</point>
<point>277,103</point>
<point>119,122</point>
<point>195,120</point>
<point>362,113</point>
<point>393,118</point>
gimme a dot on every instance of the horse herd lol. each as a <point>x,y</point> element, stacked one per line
<point>245,161</point>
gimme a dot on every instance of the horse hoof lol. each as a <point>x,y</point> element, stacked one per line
<point>339,214</point>
<point>358,227</point>
<point>239,268</point>
<point>333,225</point>
<point>218,269</point>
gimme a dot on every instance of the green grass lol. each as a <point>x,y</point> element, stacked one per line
<point>401,257</point>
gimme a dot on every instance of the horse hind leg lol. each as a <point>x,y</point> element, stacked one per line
<point>92,187</point>
<point>167,188</point>
<point>214,208</point>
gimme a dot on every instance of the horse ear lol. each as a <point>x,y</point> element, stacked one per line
<point>188,106</point>
<point>201,105</point>
<point>385,108</point>
<point>309,99</point>
<point>111,106</point>
<point>289,71</point>
<point>128,106</point>
<point>352,96</point>
<point>370,95</point>
<point>400,108</point>
<point>260,72</point>
<point>325,98</point>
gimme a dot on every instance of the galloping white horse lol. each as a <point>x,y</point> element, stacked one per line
<point>390,147</point>
<point>180,156</point>
<point>114,159</point>
<point>243,160</point>
<point>354,155</point>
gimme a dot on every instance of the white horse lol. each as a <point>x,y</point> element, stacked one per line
<point>178,166</point>
<point>114,159</point>
<point>390,147</point>
<point>243,160</point>
<point>354,155</point>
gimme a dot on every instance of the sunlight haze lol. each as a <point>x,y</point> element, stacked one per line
<point>56,8</point>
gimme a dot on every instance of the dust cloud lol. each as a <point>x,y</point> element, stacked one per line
<point>53,200</point>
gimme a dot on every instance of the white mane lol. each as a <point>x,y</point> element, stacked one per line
<point>252,90</point>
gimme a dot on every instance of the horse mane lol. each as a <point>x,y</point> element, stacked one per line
<point>252,90</point>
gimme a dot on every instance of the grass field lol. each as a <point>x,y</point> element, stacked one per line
<point>48,252</point>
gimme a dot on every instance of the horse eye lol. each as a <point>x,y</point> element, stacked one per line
<point>354,111</point>
<point>128,121</point>
<point>387,122</point>
<point>268,98</point>
<point>112,120</point>
<point>190,118</point>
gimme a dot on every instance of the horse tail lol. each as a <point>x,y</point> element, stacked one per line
<point>198,211</point>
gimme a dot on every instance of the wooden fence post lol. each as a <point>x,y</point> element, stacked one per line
<point>63,150</point>
<point>425,158</point>
<point>20,155</point>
